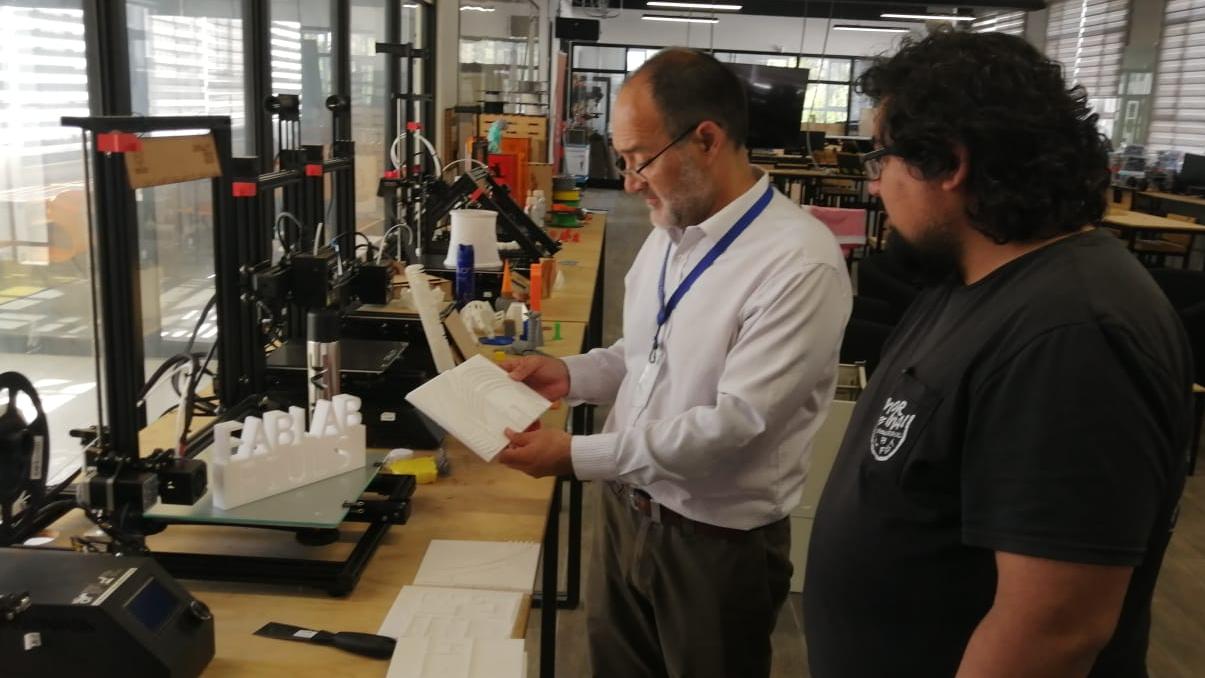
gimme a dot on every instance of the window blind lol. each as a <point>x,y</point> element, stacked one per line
<point>1178,111</point>
<point>1012,23</point>
<point>1087,37</point>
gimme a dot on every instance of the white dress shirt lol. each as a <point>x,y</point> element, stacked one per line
<point>749,363</point>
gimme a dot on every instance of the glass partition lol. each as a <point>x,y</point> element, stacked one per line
<point>187,59</point>
<point>45,292</point>
<point>301,61</point>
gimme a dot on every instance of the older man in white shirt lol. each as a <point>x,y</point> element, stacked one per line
<point>733,315</point>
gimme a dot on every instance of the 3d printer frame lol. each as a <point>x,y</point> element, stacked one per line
<point>240,343</point>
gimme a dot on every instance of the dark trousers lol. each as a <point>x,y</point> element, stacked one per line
<point>670,600</point>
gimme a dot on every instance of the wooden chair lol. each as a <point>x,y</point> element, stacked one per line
<point>1167,244</point>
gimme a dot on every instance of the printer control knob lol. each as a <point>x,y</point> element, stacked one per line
<point>200,611</point>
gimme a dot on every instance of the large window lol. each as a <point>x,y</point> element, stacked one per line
<point>502,57</point>
<point>1010,23</point>
<point>830,102</point>
<point>1088,37</point>
<point>45,310</point>
<point>187,59</point>
<point>1178,116</point>
<point>301,62</point>
<point>369,94</point>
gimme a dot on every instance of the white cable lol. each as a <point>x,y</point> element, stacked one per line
<point>401,227</point>
<point>464,161</point>
<point>318,237</point>
<point>394,150</point>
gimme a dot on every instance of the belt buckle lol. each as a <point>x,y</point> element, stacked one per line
<point>654,512</point>
<point>633,499</point>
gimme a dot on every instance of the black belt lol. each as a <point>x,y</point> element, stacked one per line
<point>642,503</point>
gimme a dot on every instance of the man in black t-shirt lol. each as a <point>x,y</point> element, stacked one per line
<point>1008,483</point>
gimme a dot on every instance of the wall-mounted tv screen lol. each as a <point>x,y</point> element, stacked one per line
<point>775,104</point>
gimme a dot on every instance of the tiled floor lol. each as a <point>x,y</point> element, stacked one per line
<point>1178,625</point>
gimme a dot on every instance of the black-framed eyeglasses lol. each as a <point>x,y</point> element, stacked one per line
<point>872,162</point>
<point>622,166</point>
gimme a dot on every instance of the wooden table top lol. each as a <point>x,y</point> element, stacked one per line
<point>478,501</point>
<point>1186,199</point>
<point>580,263</point>
<point>1149,222</point>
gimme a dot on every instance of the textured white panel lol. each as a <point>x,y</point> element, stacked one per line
<point>476,401</point>
<point>452,614</point>
<point>431,658</point>
<point>498,565</point>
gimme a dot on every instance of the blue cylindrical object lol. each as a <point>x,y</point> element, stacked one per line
<point>464,275</point>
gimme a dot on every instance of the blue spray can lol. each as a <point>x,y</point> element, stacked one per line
<point>464,275</point>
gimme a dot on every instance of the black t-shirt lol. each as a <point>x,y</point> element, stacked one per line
<point>1042,411</point>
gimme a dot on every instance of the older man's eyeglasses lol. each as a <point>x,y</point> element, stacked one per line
<point>872,162</point>
<point>635,173</point>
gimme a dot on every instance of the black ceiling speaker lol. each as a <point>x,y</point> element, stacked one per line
<point>578,30</point>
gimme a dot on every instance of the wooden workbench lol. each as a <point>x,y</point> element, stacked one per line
<point>1172,197</point>
<point>581,263</point>
<point>1141,221</point>
<point>477,501</point>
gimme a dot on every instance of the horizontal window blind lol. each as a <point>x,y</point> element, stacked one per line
<point>1012,23</point>
<point>1087,37</point>
<point>1178,112</point>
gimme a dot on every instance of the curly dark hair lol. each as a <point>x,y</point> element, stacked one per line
<point>1038,165</point>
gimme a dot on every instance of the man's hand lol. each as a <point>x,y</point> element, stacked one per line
<point>547,376</point>
<point>538,453</point>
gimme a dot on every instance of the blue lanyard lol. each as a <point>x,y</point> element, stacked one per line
<point>667,308</point>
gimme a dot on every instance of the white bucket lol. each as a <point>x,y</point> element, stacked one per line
<point>476,228</point>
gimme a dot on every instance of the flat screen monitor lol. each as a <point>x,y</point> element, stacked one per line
<point>810,142</point>
<point>775,104</point>
<point>1192,172</point>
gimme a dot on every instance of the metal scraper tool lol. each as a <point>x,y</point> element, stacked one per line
<point>367,644</point>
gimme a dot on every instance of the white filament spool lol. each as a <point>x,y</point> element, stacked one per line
<point>476,228</point>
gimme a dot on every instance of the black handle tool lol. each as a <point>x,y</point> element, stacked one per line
<point>367,644</point>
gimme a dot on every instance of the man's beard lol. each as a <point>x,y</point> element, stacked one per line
<point>930,258</point>
<point>689,204</point>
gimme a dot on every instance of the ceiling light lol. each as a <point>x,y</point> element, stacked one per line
<point>475,8</point>
<point>925,17</point>
<point>870,29</point>
<point>694,5</point>
<point>679,19</point>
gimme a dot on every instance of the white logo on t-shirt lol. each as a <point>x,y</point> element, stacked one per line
<point>891,430</point>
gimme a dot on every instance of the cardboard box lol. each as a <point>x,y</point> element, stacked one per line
<point>541,178</point>
<point>527,126</point>
<point>172,160</point>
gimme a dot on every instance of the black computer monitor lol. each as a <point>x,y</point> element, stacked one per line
<point>775,97</point>
<point>1192,173</point>
<point>812,141</point>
